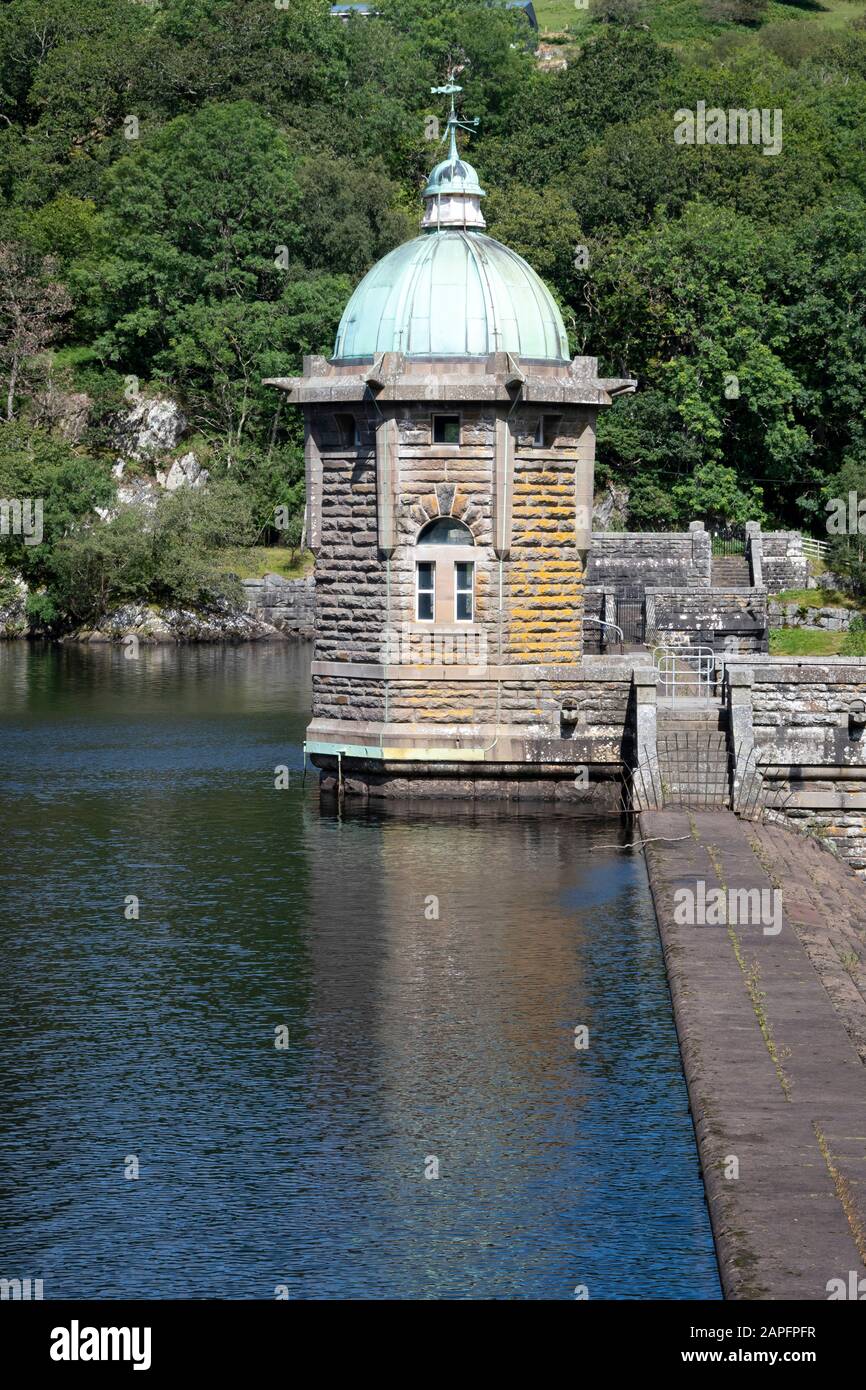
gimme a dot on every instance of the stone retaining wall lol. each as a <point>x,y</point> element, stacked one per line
<point>287,604</point>
<point>732,619</point>
<point>828,618</point>
<point>805,723</point>
<point>680,559</point>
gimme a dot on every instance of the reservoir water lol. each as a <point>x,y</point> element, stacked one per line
<point>336,1047</point>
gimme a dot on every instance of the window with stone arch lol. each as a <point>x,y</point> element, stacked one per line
<point>445,573</point>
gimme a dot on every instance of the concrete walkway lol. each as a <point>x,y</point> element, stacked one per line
<point>771,1015</point>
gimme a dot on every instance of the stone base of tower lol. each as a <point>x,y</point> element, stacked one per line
<point>568,734</point>
<point>598,788</point>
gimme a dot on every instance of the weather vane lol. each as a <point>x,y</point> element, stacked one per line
<point>451,89</point>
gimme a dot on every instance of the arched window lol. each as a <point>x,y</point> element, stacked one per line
<point>445,530</point>
<point>445,575</point>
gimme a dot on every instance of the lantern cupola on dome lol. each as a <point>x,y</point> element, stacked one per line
<point>452,291</point>
<point>453,194</point>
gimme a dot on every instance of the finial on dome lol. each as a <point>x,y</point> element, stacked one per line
<point>453,194</point>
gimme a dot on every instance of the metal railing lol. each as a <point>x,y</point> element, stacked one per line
<point>685,673</point>
<point>816,550</point>
<point>601,622</point>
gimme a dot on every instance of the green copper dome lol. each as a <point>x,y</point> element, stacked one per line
<point>452,293</point>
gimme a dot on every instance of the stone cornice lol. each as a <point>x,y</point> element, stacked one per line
<point>497,378</point>
<point>587,670</point>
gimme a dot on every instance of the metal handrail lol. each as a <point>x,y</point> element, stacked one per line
<point>813,548</point>
<point>680,669</point>
<point>602,622</point>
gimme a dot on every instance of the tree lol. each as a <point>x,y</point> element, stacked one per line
<point>684,306</point>
<point>541,226</point>
<point>716,495</point>
<point>32,305</point>
<point>626,13</point>
<point>68,482</point>
<point>195,217</point>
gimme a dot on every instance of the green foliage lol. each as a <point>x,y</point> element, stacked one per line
<point>168,557</point>
<point>70,485</point>
<point>854,643</point>
<point>279,153</point>
<point>847,558</point>
<point>192,218</point>
<point>714,494</point>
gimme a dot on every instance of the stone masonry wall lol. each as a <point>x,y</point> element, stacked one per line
<point>363,601</point>
<point>826,617</point>
<point>801,708</point>
<point>544,575</point>
<point>674,559</point>
<point>349,579</point>
<point>441,480</point>
<point>532,706</point>
<point>287,604</point>
<point>784,563</point>
<point>801,722</point>
<point>737,618</point>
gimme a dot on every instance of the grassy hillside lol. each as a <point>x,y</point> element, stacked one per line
<point>684,21</point>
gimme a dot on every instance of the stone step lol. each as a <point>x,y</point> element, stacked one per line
<point>731,570</point>
<point>692,733</point>
<point>689,723</point>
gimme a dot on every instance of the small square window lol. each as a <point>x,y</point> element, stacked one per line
<point>348,434</point>
<point>464,577</point>
<point>446,429</point>
<point>425,590</point>
<point>546,431</point>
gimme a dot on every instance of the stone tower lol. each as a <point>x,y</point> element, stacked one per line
<point>450,446</point>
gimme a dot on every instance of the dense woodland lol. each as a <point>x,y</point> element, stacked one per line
<point>155,157</point>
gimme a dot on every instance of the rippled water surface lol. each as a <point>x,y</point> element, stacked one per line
<point>430,967</point>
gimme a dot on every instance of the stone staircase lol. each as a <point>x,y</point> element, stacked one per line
<point>731,572</point>
<point>692,743</point>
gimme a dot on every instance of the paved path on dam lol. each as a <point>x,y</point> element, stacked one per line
<point>770,1009</point>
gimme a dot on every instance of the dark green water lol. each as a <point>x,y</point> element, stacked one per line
<point>412,1036</point>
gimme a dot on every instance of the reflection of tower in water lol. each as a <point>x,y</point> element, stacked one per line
<point>447,982</point>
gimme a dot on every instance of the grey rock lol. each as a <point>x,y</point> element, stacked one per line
<point>150,427</point>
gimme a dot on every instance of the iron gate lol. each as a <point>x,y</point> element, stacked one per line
<point>729,540</point>
<point>631,613</point>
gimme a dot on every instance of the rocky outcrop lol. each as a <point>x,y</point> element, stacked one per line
<point>610,511</point>
<point>140,490</point>
<point>182,472</point>
<point>273,609</point>
<point>13,611</point>
<point>152,426</point>
<point>219,622</point>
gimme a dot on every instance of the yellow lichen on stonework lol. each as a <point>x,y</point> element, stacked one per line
<point>545,612</point>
